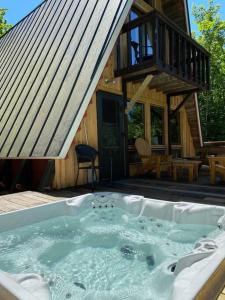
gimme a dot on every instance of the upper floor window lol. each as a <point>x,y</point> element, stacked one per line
<point>134,15</point>
<point>140,41</point>
<point>157,125</point>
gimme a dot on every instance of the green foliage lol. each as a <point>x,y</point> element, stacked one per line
<point>136,122</point>
<point>211,36</point>
<point>4,26</point>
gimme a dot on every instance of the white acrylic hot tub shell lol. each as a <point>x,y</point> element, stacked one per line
<point>187,283</point>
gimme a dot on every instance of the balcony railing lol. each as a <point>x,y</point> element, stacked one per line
<point>153,42</point>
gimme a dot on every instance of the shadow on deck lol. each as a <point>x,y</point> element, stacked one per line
<point>165,189</point>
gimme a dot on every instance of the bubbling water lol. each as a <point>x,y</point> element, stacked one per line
<point>101,254</point>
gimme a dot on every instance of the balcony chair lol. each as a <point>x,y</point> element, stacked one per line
<point>216,167</point>
<point>157,163</point>
<point>135,47</point>
<point>86,155</point>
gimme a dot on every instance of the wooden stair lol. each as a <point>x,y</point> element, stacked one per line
<point>192,115</point>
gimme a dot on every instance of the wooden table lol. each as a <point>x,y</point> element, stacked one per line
<point>191,165</point>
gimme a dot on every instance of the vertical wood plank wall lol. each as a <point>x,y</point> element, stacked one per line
<point>66,168</point>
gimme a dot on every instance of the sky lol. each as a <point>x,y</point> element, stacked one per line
<point>17,9</point>
<point>192,2</point>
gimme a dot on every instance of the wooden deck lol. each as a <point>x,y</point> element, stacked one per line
<point>148,188</point>
<point>18,201</point>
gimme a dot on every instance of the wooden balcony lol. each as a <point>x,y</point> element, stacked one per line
<point>153,44</point>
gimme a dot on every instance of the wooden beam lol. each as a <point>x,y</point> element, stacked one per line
<point>173,85</point>
<point>139,93</point>
<point>142,6</point>
<point>181,104</point>
<point>180,93</point>
<point>161,81</point>
<point>175,88</point>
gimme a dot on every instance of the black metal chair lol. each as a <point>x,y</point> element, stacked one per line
<point>86,154</point>
<point>135,46</point>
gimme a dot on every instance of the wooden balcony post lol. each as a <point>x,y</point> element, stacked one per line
<point>199,59</point>
<point>171,47</point>
<point>178,53</point>
<point>156,40</point>
<point>163,44</point>
<point>129,52</point>
<point>203,70</point>
<point>193,63</point>
<point>141,43</point>
<point>188,60</point>
<point>185,58</point>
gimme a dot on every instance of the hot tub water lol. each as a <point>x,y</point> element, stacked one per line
<point>102,253</point>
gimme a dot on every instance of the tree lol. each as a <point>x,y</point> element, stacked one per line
<point>211,35</point>
<point>4,26</point>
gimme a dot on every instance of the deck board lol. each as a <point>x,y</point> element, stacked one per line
<point>18,201</point>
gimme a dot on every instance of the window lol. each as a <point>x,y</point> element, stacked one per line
<point>175,137</point>
<point>136,123</point>
<point>140,41</point>
<point>133,15</point>
<point>136,129</point>
<point>157,125</point>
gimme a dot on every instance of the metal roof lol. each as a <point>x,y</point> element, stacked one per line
<point>50,64</point>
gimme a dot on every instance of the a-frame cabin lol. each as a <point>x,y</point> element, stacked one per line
<point>98,72</point>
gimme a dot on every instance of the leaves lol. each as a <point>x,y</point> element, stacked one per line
<point>4,26</point>
<point>211,35</point>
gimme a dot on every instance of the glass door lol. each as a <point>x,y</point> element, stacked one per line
<point>111,135</point>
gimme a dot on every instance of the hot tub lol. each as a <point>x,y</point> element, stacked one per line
<point>110,246</point>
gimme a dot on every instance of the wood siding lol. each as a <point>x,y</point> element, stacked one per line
<point>66,168</point>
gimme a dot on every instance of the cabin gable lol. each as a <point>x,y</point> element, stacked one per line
<point>63,55</point>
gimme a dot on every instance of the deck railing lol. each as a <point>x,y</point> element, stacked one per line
<point>154,40</point>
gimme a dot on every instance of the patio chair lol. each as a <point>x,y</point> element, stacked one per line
<point>5,174</point>
<point>86,155</point>
<point>216,167</point>
<point>157,163</point>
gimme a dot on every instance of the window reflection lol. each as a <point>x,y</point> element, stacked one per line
<point>157,125</point>
<point>136,129</point>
